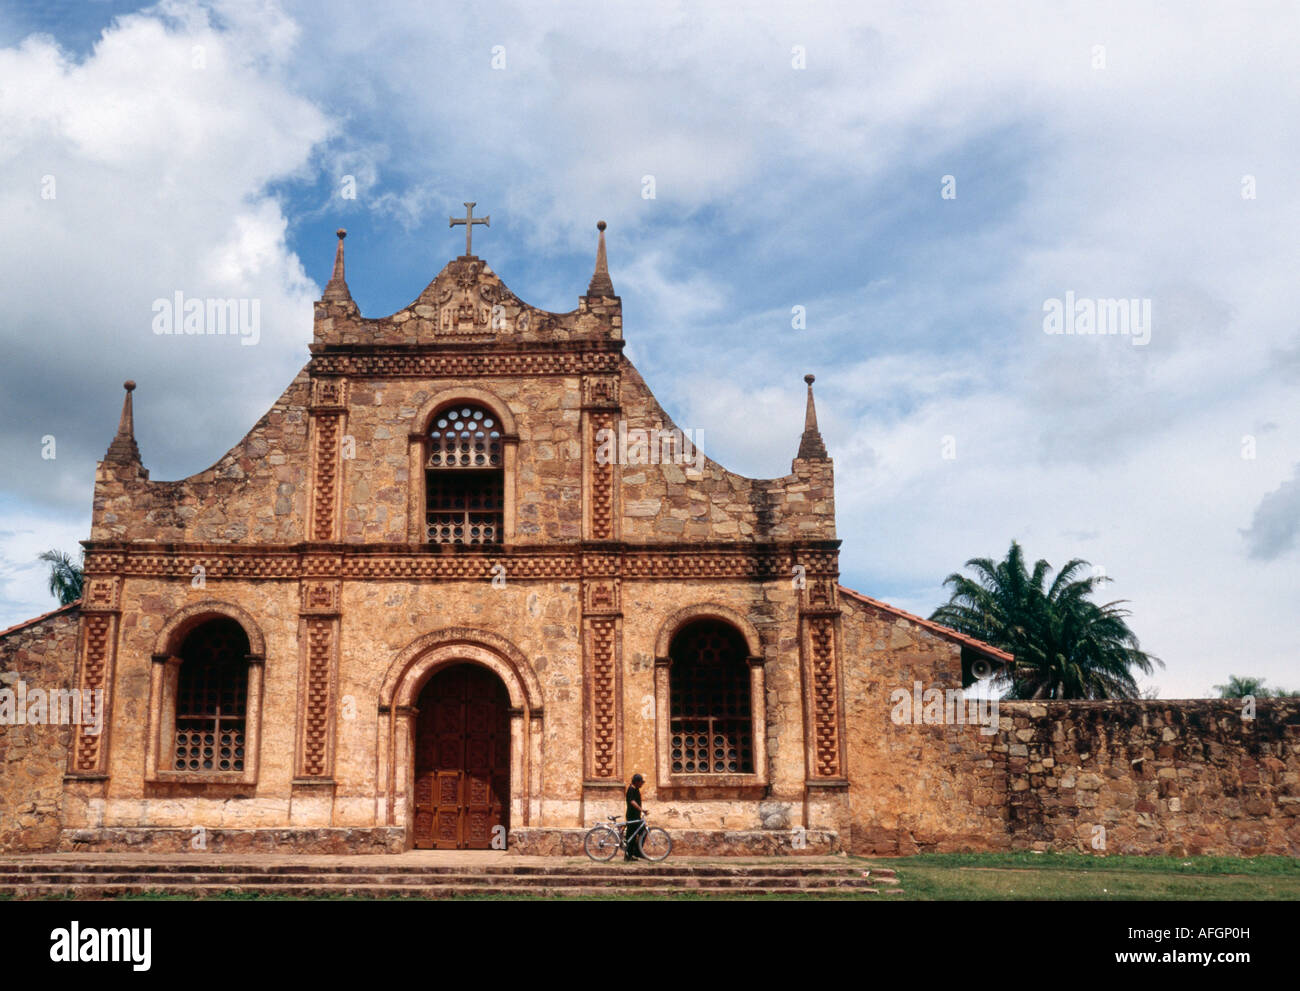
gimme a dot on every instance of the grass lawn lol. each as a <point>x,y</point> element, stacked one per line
<point>1083,877</point>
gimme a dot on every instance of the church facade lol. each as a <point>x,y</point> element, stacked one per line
<point>461,581</point>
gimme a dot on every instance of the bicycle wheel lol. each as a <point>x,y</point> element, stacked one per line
<point>656,844</point>
<point>601,843</point>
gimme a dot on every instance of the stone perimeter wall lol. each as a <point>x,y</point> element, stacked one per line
<point>1159,777</point>
<point>1127,777</point>
<point>33,758</point>
<point>1178,778</point>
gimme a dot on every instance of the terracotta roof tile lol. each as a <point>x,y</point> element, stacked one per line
<point>988,650</point>
<point>43,616</point>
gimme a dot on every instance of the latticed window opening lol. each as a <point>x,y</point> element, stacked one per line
<point>464,437</point>
<point>711,725</point>
<point>464,478</point>
<point>211,699</point>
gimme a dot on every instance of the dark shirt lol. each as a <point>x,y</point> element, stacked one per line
<point>633,795</point>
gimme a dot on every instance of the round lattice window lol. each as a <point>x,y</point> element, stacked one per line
<point>465,437</point>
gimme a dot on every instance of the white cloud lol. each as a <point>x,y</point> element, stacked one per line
<point>132,174</point>
<point>1276,522</point>
<point>1122,181</point>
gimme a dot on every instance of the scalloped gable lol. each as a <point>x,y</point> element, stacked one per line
<point>467,303</point>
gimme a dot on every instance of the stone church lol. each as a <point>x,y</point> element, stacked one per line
<point>461,581</point>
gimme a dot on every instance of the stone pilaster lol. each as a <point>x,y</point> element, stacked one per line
<point>328,423</point>
<point>600,478</point>
<point>312,795</point>
<point>101,610</point>
<point>602,639</point>
<point>819,618</point>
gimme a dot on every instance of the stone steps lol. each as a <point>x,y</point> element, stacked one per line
<point>64,878</point>
<point>324,870</point>
<point>439,891</point>
<point>468,880</point>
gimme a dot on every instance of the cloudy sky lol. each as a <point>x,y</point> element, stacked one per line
<point>797,155</point>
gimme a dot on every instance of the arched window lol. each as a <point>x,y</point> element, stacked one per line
<point>212,699</point>
<point>710,721</point>
<point>464,477</point>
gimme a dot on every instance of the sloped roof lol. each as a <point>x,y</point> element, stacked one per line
<point>988,650</point>
<point>43,616</point>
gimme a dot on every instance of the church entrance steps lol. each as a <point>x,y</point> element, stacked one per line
<point>456,876</point>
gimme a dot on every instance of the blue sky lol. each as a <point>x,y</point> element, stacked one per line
<point>1099,148</point>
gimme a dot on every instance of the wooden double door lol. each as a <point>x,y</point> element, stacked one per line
<point>462,761</point>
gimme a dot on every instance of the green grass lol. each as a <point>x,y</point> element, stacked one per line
<point>1084,877</point>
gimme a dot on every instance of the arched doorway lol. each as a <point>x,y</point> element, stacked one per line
<point>462,760</point>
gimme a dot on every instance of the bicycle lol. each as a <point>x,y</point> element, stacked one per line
<point>604,840</point>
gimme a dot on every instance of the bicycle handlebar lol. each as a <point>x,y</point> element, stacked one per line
<point>644,813</point>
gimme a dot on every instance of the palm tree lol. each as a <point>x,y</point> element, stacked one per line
<point>1238,688</point>
<point>1065,645</point>
<point>66,577</point>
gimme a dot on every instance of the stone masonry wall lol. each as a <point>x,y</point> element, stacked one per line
<point>1177,778</point>
<point>255,493</point>
<point>378,489</point>
<point>1133,777</point>
<point>380,619</point>
<point>913,787</point>
<point>663,502</point>
<point>34,758</point>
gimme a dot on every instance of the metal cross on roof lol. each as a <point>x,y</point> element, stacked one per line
<point>469,220</point>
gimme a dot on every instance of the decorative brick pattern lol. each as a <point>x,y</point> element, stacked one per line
<point>97,628</point>
<point>602,595</point>
<point>327,442</point>
<point>601,563</point>
<point>600,391</point>
<point>461,567</point>
<point>378,364</point>
<point>755,564</point>
<point>101,595</point>
<point>822,596</point>
<point>602,483</point>
<point>824,697</point>
<point>604,717</point>
<point>329,394</point>
<point>320,598</point>
<point>320,642</point>
<point>260,564</point>
<point>636,563</point>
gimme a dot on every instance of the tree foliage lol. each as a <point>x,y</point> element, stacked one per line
<point>1066,646</point>
<point>66,576</point>
<point>1239,688</point>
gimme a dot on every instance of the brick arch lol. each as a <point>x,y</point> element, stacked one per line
<point>414,665</point>
<point>406,676</point>
<point>466,394</point>
<point>707,610</point>
<point>181,622</point>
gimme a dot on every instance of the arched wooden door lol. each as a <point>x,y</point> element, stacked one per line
<point>462,761</point>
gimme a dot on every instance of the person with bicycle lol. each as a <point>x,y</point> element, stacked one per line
<point>637,840</point>
<point>634,820</point>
